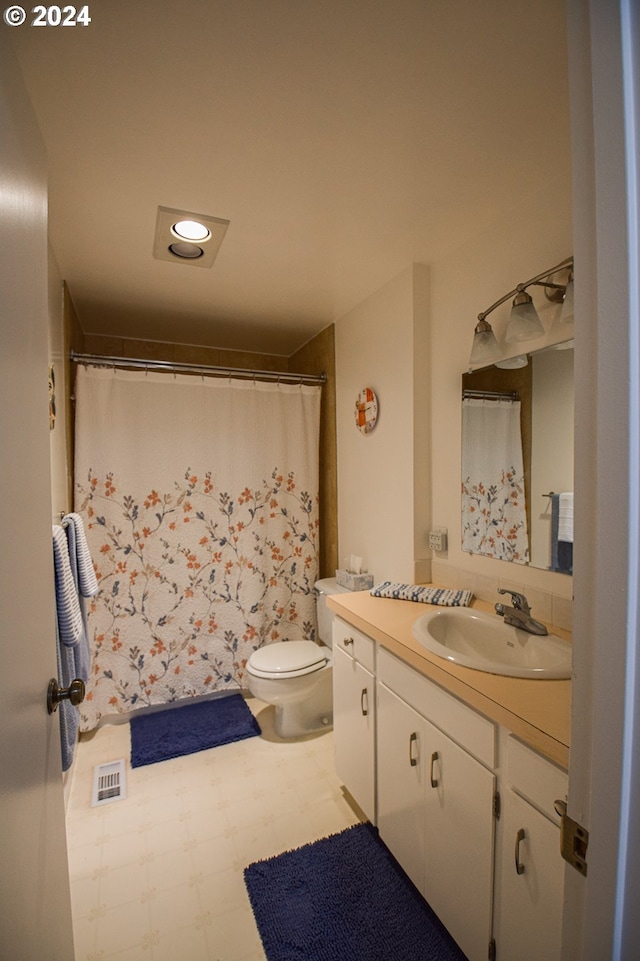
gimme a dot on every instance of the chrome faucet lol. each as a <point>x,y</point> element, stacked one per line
<point>520,614</point>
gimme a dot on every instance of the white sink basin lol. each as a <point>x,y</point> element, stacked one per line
<point>485,643</point>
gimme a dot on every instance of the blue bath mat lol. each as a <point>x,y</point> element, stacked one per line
<point>344,898</point>
<point>190,728</point>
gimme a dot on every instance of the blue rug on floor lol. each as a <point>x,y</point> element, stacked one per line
<point>190,728</point>
<point>344,898</point>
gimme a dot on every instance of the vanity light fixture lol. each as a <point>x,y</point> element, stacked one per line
<point>187,238</point>
<point>566,314</point>
<point>485,347</point>
<point>513,363</point>
<point>524,323</point>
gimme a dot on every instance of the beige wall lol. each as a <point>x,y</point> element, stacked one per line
<point>382,476</point>
<point>60,503</point>
<point>318,355</point>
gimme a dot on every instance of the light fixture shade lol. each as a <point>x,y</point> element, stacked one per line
<point>566,314</point>
<point>524,323</point>
<point>513,363</point>
<point>187,250</point>
<point>191,230</point>
<point>485,348</point>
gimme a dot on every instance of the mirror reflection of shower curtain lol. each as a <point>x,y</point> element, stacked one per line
<point>494,518</point>
<point>200,502</point>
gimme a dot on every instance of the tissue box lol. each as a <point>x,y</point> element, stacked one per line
<point>354,582</point>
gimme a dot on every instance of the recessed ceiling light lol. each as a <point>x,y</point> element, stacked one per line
<point>191,230</point>
<point>183,249</point>
<point>176,231</point>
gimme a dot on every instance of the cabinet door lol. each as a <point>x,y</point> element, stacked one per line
<point>354,729</point>
<point>401,782</point>
<point>529,908</point>
<point>459,842</point>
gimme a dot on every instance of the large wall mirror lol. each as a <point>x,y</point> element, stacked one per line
<point>517,505</point>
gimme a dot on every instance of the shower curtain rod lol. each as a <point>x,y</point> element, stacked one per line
<point>491,394</point>
<point>102,360</point>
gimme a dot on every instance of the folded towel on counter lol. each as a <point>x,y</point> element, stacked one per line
<point>70,626</point>
<point>80,555</point>
<point>425,595</point>
<point>565,518</point>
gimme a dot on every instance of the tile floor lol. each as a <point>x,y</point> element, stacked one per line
<point>159,875</point>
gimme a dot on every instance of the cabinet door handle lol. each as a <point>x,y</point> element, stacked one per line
<point>519,838</point>
<point>347,640</point>
<point>413,760</point>
<point>434,781</point>
<point>364,702</point>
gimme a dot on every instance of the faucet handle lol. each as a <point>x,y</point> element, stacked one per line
<point>518,600</point>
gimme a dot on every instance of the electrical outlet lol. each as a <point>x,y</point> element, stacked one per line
<point>438,540</point>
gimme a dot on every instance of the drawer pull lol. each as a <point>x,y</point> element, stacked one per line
<point>519,838</point>
<point>364,702</point>
<point>347,640</point>
<point>434,781</point>
<point>413,760</point>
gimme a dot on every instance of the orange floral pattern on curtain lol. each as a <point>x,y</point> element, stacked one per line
<point>196,567</point>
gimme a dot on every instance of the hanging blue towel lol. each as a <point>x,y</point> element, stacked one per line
<point>561,550</point>
<point>69,718</point>
<point>69,635</point>
<point>67,602</point>
<point>86,586</point>
<point>80,556</point>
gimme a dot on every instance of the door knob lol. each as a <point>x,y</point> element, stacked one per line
<point>73,693</point>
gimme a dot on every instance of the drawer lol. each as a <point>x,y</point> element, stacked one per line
<point>355,643</point>
<point>535,778</point>
<point>472,731</point>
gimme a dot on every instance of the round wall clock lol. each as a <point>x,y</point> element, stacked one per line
<point>366,411</point>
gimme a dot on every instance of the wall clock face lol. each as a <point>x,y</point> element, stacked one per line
<point>366,411</point>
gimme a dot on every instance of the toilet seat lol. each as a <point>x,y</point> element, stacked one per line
<point>286,659</point>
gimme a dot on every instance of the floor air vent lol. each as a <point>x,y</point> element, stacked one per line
<point>108,783</point>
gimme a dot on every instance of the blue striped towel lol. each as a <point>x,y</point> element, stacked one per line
<point>70,625</point>
<point>69,718</point>
<point>87,586</point>
<point>80,555</point>
<point>425,595</point>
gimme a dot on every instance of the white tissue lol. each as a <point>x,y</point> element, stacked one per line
<point>353,564</point>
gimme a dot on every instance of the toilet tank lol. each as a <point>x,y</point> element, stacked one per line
<point>324,587</point>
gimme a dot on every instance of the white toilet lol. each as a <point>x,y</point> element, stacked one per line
<point>296,676</point>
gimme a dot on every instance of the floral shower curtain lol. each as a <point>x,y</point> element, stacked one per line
<point>494,519</point>
<point>200,502</point>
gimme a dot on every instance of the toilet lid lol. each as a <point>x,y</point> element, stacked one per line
<point>290,658</point>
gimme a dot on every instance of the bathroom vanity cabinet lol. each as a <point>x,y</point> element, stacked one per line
<point>466,808</point>
<point>435,799</point>
<point>530,873</point>
<point>354,714</point>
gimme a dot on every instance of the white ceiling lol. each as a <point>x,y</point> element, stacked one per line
<point>342,139</point>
